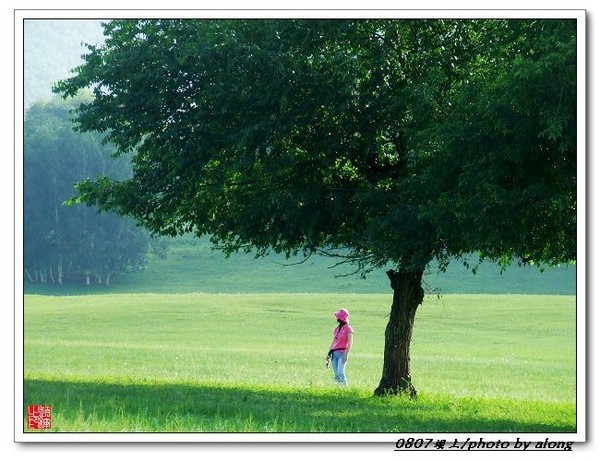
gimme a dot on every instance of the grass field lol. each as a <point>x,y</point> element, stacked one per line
<point>203,362</point>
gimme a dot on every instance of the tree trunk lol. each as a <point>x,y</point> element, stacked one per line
<point>408,294</point>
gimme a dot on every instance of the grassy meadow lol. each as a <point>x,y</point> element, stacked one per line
<point>202,362</point>
<point>199,343</point>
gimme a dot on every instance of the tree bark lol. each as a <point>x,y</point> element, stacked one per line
<point>408,295</point>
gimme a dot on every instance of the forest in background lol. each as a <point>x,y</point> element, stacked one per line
<point>65,244</point>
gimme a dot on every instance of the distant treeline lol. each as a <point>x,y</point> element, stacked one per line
<point>73,243</point>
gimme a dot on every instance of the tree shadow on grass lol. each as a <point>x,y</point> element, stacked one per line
<point>97,407</point>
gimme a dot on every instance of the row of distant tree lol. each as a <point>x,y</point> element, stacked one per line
<point>72,243</point>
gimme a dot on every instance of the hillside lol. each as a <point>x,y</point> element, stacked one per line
<point>51,48</point>
<point>190,266</point>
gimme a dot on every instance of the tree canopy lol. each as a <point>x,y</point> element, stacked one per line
<point>368,137</point>
<point>508,161</point>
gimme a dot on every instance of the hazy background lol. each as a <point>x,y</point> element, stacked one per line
<point>51,49</point>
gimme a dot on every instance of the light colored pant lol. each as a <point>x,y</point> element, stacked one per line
<point>339,367</point>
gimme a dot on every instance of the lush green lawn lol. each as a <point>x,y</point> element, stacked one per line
<point>235,363</point>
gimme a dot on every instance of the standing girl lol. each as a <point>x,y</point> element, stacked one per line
<point>340,346</point>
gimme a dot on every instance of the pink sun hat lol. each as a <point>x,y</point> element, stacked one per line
<point>342,314</point>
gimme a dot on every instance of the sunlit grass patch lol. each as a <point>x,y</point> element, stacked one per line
<point>255,363</point>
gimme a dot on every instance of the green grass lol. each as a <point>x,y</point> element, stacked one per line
<point>255,363</point>
<point>196,407</point>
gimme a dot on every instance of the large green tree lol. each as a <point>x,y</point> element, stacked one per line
<point>387,143</point>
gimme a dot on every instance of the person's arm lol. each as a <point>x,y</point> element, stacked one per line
<point>350,336</point>
<point>329,351</point>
